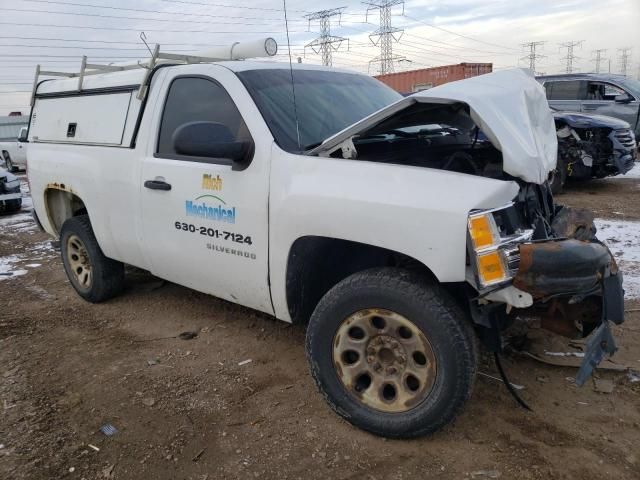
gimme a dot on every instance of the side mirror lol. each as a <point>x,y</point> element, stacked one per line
<point>210,140</point>
<point>23,136</point>
<point>623,98</point>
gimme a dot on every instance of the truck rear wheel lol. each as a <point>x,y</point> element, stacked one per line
<point>392,353</point>
<point>11,206</point>
<point>95,277</point>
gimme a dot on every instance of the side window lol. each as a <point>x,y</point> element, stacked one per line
<point>566,90</point>
<point>193,99</point>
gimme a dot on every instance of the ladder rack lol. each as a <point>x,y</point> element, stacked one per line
<point>263,47</point>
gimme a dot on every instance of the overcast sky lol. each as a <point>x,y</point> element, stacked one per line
<point>56,33</point>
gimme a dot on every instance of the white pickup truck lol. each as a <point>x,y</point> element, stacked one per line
<point>399,229</point>
<point>14,153</point>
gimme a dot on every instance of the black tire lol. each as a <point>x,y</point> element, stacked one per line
<point>558,177</point>
<point>107,275</point>
<point>433,311</point>
<point>9,164</point>
<point>11,206</point>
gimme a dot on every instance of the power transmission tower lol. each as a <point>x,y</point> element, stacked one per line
<point>570,56</point>
<point>599,57</point>
<point>533,56</point>
<point>386,35</point>
<point>624,59</point>
<point>326,43</point>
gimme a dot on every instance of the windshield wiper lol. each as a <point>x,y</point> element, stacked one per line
<point>311,146</point>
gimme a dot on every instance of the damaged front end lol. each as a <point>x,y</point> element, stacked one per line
<point>594,145</point>
<point>556,271</point>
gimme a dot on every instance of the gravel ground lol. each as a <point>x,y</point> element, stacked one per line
<point>195,409</point>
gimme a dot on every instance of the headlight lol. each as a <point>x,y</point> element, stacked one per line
<point>495,253</point>
<point>483,230</point>
<point>12,184</point>
<point>492,268</point>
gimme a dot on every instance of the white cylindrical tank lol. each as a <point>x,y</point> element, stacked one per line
<point>263,47</point>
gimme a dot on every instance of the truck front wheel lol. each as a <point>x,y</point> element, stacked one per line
<point>95,277</point>
<point>392,353</point>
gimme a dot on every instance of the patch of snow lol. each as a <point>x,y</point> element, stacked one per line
<point>33,265</point>
<point>633,173</point>
<point>10,220</point>
<point>623,239</point>
<point>8,269</point>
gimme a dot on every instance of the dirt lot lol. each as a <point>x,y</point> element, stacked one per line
<point>186,409</point>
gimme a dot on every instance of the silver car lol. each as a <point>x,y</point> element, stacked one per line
<point>605,94</point>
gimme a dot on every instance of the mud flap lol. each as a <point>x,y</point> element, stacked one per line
<point>602,341</point>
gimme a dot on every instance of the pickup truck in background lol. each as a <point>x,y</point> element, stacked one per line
<point>328,204</point>
<point>10,195</point>
<point>14,153</point>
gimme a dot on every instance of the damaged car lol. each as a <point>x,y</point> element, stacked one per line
<point>389,226</point>
<point>591,146</point>
<point>10,196</point>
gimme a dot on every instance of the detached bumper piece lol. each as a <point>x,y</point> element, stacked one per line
<point>574,270</point>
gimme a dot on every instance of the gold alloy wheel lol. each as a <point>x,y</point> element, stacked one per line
<point>384,360</point>
<point>79,262</point>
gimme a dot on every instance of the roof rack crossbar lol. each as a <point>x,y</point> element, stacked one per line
<point>87,69</point>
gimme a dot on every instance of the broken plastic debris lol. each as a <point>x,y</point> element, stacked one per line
<point>603,385</point>
<point>108,429</point>
<point>633,376</point>
<point>244,362</point>
<point>565,354</point>
<point>188,335</point>
<point>93,446</point>
<point>486,473</point>
<point>514,385</point>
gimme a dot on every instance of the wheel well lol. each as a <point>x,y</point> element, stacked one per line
<point>61,205</point>
<point>316,264</point>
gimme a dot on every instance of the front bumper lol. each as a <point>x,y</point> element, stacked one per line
<point>575,283</point>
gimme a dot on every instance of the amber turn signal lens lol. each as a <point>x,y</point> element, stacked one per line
<point>491,268</point>
<point>483,231</point>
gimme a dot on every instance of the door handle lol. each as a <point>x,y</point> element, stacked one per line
<point>589,107</point>
<point>157,185</point>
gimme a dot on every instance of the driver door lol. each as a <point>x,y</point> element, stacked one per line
<point>204,220</point>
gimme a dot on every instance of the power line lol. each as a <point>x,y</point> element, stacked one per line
<point>624,60</point>
<point>599,57</point>
<point>217,32</point>
<point>146,19</point>
<point>571,57</point>
<point>386,34</point>
<point>81,47</point>
<point>459,34</point>
<point>9,37</point>
<point>232,6</point>
<point>141,10</point>
<point>326,43</point>
<point>532,56</point>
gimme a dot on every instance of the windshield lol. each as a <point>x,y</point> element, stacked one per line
<point>326,102</point>
<point>633,85</point>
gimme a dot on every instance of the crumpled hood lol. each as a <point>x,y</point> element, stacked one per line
<point>587,120</point>
<point>509,106</point>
